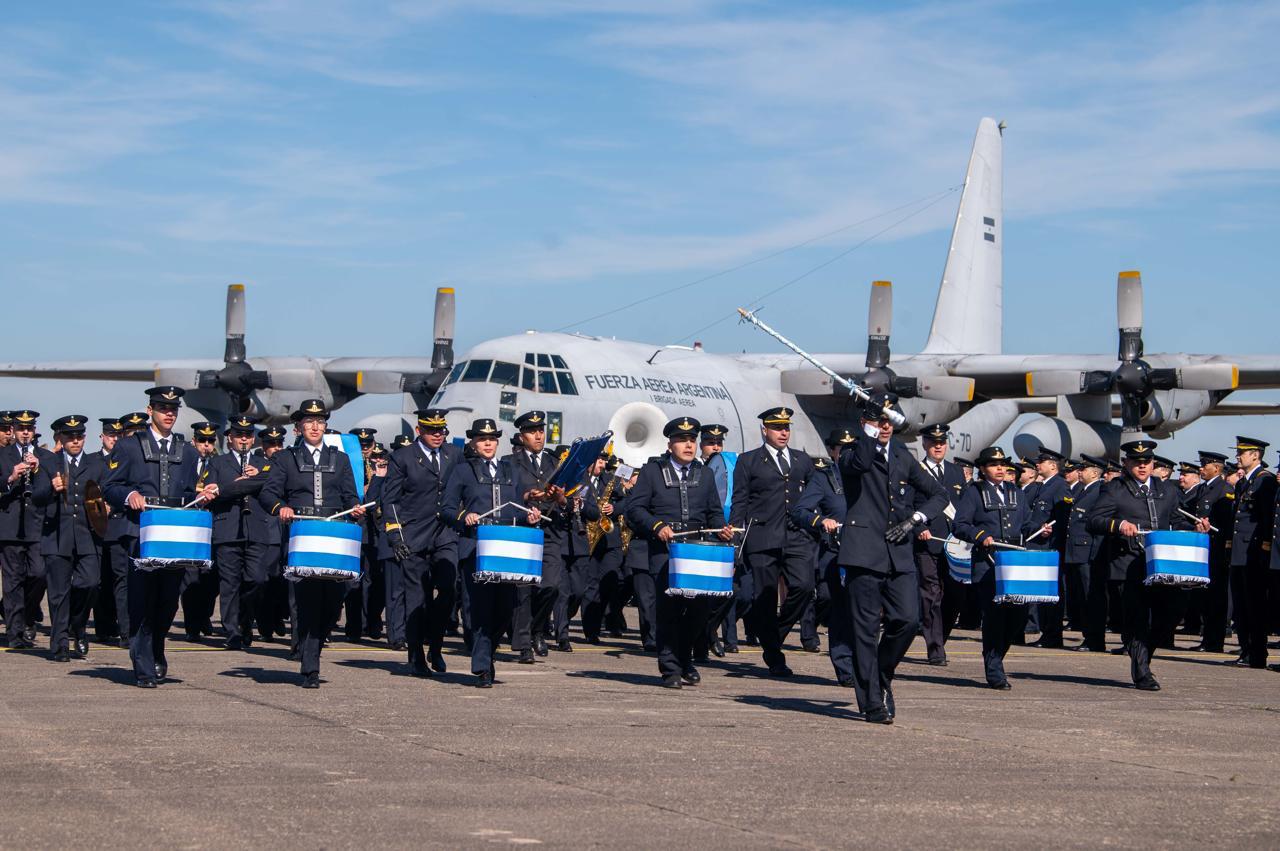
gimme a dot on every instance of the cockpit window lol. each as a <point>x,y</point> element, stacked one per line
<point>504,373</point>
<point>455,374</point>
<point>566,384</point>
<point>558,362</point>
<point>547,382</point>
<point>528,358</point>
<point>477,370</point>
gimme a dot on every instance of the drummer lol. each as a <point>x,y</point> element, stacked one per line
<point>1135,503</point>
<point>994,511</point>
<point>483,485</point>
<point>676,494</point>
<point>152,467</point>
<point>312,480</point>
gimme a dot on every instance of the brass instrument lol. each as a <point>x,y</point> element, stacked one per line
<point>627,535</point>
<point>597,529</point>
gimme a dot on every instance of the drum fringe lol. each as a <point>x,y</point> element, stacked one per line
<point>488,577</point>
<point>690,593</point>
<point>1176,581</point>
<point>319,573</point>
<point>171,563</point>
<point>1022,599</point>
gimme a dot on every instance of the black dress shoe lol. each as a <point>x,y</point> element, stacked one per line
<point>1047,645</point>
<point>672,681</point>
<point>311,680</point>
<point>1209,648</point>
<point>246,638</point>
<point>29,635</point>
<point>124,643</point>
<point>193,637</point>
<point>731,648</point>
<point>813,647</point>
<point>400,646</point>
<point>879,716</point>
<point>1148,684</point>
<point>145,682</point>
<point>1003,685</point>
<point>295,655</point>
<point>162,671</point>
<point>779,670</point>
<point>564,646</point>
<point>61,655</point>
<point>1119,651</point>
<point>691,676</point>
<point>484,679</point>
<point>437,661</point>
<point>938,662</point>
<point>526,656</point>
<point>650,648</point>
<point>233,642</point>
<point>717,648</point>
<point>701,656</point>
<point>539,645</point>
<point>418,668</point>
<point>81,647</point>
<point>845,682</point>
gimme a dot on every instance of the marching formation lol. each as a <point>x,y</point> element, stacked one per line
<point>292,534</point>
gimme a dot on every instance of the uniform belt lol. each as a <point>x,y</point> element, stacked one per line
<point>488,522</point>
<point>165,502</point>
<point>311,511</point>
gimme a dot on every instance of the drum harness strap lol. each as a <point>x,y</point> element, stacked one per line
<point>153,456</point>
<point>307,465</point>
<point>670,479</point>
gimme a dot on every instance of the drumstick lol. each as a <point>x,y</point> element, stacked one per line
<point>1042,531</point>
<point>706,531</point>
<point>349,510</point>
<point>498,508</point>
<point>191,503</point>
<point>1190,516</point>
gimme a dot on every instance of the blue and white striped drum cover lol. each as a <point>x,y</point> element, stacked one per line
<point>327,549</point>
<point>959,560</point>
<point>174,538</point>
<point>700,570</point>
<point>1026,576</point>
<point>509,554</point>
<point>1177,558</point>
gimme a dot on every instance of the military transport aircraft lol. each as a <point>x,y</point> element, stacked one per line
<point>587,384</point>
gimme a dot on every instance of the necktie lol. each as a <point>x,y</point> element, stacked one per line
<point>75,463</point>
<point>536,458</point>
<point>684,474</point>
<point>1000,494</point>
<point>315,457</point>
<point>937,472</point>
<point>493,470</point>
<point>435,461</point>
<point>783,464</point>
<point>164,446</point>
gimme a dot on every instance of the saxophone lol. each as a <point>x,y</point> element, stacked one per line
<point>597,529</point>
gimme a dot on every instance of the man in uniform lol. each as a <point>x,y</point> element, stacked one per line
<point>1163,468</point>
<point>240,536</point>
<point>20,526</point>
<point>724,614</point>
<point>366,599</point>
<point>425,548</point>
<point>1126,508</point>
<point>200,588</point>
<point>155,467</point>
<point>767,483</point>
<point>575,570</point>
<point>1214,500</point>
<point>1252,527</point>
<point>534,466</point>
<point>606,557</point>
<point>674,494</point>
<point>274,598</point>
<point>882,480</point>
<point>1051,505</point>
<point>67,543</point>
<point>931,561</point>
<point>111,605</point>
<point>1079,556</point>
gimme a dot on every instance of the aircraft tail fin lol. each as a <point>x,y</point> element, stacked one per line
<point>968,318</point>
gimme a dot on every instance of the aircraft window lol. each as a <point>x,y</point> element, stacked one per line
<point>527,378</point>
<point>477,370</point>
<point>547,382</point>
<point>504,373</point>
<point>455,374</point>
<point>566,384</point>
<point>558,362</point>
<point>543,360</point>
<point>528,358</point>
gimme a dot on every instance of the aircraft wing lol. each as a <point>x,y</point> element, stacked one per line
<point>383,375</point>
<point>101,370</point>
<point>1006,375</point>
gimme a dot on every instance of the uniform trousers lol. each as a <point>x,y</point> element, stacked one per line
<point>199,594</point>
<point>396,617</point>
<point>491,608</point>
<point>818,610</point>
<point>646,590</point>
<point>575,580</point>
<point>794,564</point>
<point>429,587</point>
<point>890,599</point>
<point>839,624</point>
<point>534,604</point>
<point>681,620</point>
<point>241,575</point>
<point>374,587</point>
<point>1097,602</point>
<point>1213,600</point>
<point>1075,584</point>
<point>603,587</point>
<point>1136,599</point>
<point>73,584</point>
<point>1002,625</point>
<point>23,572</point>
<point>317,600</point>
<point>930,568</point>
<point>111,606</point>
<point>153,604</point>
<point>1263,587</point>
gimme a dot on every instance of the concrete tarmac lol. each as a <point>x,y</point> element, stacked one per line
<point>584,750</point>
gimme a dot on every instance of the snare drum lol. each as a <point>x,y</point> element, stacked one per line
<point>1026,576</point>
<point>700,570</point>
<point>508,554</point>
<point>1178,559</point>
<point>959,560</point>
<point>326,549</point>
<point>174,539</point>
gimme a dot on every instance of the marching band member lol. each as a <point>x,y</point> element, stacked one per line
<point>240,537</point>
<point>312,480</point>
<point>534,466</point>
<point>931,561</point>
<point>200,588</point>
<point>675,494</point>
<point>111,609</point>
<point>20,526</point>
<point>153,467</point>
<point>483,484</point>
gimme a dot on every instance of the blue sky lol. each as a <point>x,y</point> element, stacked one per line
<point>555,159</point>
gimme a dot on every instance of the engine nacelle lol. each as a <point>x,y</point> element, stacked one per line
<point>1176,409</point>
<point>1068,436</point>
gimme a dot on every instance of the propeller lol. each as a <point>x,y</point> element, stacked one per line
<point>421,383</point>
<point>237,377</point>
<point>1133,379</point>
<point>879,377</point>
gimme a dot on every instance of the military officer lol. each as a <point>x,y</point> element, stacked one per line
<point>20,527</point>
<point>1162,468</point>
<point>1085,577</point>
<point>675,494</point>
<point>767,483</point>
<point>822,509</point>
<point>200,588</point>
<point>1252,528</point>
<point>135,423</point>
<point>367,599</point>
<point>6,428</point>
<point>606,558</point>
<point>1214,500</point>
<point>312,480</point>
<point>635,562</point>
<point>534,466</point>
<point>424,546</point>
<point>482,484</point>
<point>400,441</point>
<point>1051,505</point>
<point>68,544</point>
<point>576,566</point>
<point>1127,507</point>
<point>993,511</point>
<point>881,481</point>
<point>240,536</point>
<point>155,467</point>
<point>931,561</point>
<point>273,599</point>
<point>111,606</point>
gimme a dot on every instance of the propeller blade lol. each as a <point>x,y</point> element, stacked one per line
<point>235,351</point>
<point>1055,382</point>
<point>1129,314</point>
<point>442,353</point>
<point>879,320</point>
<point>944,388</point>
<point>1206,376</point>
